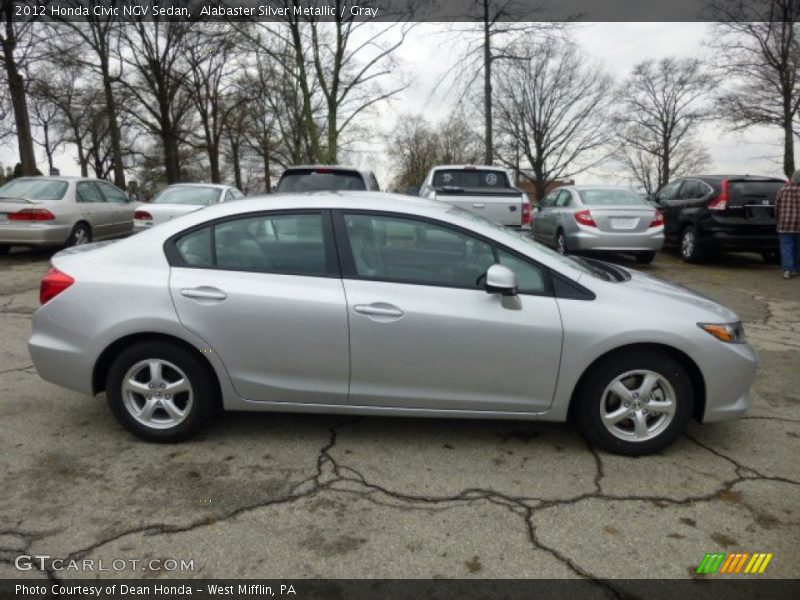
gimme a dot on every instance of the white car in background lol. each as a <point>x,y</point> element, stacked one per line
<point>181,199</point>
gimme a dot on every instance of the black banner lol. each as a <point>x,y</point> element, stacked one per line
<point>401,10</point>
<point>746,587</point>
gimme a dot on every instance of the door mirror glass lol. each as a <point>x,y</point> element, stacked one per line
<point>500,280</point>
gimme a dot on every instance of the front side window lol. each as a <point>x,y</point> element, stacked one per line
<point>34,189</point>
<point>530,278</point>
<point>88,192</point>
<point>291,244</point>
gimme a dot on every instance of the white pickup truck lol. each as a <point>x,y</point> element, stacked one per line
<point>483,190</point>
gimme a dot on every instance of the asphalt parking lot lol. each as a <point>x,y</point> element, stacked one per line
<point>270,495</point>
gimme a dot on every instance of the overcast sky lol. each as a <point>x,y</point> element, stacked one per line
<point>429,52</point>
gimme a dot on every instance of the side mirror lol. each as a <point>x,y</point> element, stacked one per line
<point>500,280</point>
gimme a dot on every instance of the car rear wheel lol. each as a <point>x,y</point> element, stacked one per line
<point>561,243</point>
<point>645,258</point>
<point>161,392</point>
<point>690,245</point>
<point>80,234</point>
<point>771,257</point>
<point>635,403</point>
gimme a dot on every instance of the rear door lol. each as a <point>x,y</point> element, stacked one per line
<point>263,290</point>
<point>123,207</point>
<point>100,215</point>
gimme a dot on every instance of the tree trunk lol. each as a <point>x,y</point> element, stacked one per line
<point>171,160</point>
<point>16,88</point>
<point>113,128</point>
<point>236,163</point>
<point>488,156</point>
<point>267,176</point>
<point>788,149</point>
<point>213,161</point>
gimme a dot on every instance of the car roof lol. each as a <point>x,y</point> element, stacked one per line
<point>469,167</point>
<point>199,184</point>
<point>595,187</point>
<point>331,167</point>
<point>721,177</point>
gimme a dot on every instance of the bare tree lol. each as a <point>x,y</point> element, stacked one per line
<point>158,84</point>
<point>759,53</point>
<point>16,40</point>
<point>46,116</point>
<point>659,107</point>
<point>554,106</point>
<point>496,27</point>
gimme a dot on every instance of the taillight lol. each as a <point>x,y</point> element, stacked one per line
<point>53,283</point>
<point>142,215</point>
<point>526,212</point>
<point>584,217</point>
<point>658,219</point>
<point>31,214</point>
<point>721,201</point>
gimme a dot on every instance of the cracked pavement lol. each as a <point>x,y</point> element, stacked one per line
<point>291,496</point>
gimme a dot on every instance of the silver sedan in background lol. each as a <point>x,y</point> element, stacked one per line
<point>599,219</point>
<point>377,304</point>
<point>181,199</point>
<point>62,211</point>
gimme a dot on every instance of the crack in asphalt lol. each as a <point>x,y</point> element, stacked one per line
<point>337,477</point>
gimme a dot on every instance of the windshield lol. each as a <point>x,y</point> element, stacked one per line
<point>470,178</point>
<point>34,189</point>
<point>567,261</point>
<point>187,194</point>
<point>320,180</point>
<point>606,197</point>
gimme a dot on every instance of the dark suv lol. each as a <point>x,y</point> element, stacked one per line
<point>721,212</point>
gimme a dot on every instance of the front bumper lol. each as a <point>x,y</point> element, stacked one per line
<point>34,234</point>
<point>729,371</point>
<point>592,239</point>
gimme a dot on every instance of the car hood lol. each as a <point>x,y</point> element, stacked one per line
<point>660,295</point>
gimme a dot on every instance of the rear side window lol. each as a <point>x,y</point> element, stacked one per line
<point>320,180</point>
<point>88,192</point>
<point>112,193</point>
<point>285,244</point>
<point>470,178</point>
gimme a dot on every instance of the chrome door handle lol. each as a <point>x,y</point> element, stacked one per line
<point>378,310</point>
<point>204,293</point>
<point>478,205</point>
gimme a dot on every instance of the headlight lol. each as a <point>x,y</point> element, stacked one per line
<point>732,333</point>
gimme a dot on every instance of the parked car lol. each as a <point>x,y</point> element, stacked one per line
<point>599,219</point>
<point>181,199</point>
<point>378,304</point>
<point>706,213</point>
<point>483,190</point>
<point>326,178</point>
<point>61,211</point>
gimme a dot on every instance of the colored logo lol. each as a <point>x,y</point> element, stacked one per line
<point>735,563</point>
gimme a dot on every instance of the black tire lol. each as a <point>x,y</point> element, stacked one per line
<point>80,234</point>
<point>205,400</point>
<point>645,258</point>
<point>589,401</point>
<point>561,242</point>
<point>689,246</point>
<point>4,249</point>
<point>771,257</point>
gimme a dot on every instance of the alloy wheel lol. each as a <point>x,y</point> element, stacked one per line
<point>561,244</point>
<point>688,244</point>
<point>157,393</point>
<point>638,405</point>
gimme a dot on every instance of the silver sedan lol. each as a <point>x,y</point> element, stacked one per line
<point>599,218</point>
<point>181,199</point>
<point>59,211</point>
<point>378,304</point>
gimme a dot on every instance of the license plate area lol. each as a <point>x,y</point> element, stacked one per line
<point>624,223</point>
<point>759,212</point>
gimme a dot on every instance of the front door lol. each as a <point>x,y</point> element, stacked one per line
<point>264,292</point>
<point>424,334</point>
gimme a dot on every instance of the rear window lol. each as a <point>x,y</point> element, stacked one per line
<point>601,197</point>
<point>321,180</point>
<point>34,189</point>
<point>470,178</point>
<point>188,194</point>
<point>754,189</point>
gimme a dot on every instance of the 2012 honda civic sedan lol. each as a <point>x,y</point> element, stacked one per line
<point>378,304</point>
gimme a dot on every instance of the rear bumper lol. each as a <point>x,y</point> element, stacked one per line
<point>739,241</point>
<point>586,239</point>
<point>34,234</point>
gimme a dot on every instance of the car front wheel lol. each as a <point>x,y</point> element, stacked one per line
<point>635,403</point>
<point>161,392</point>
